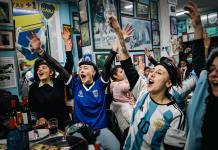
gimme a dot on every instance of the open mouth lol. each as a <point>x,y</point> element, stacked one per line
<point>150,81</point>
<point>82,76</point>
<point>214,83</point>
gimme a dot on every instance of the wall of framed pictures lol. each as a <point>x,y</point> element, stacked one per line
<point>139,13</point>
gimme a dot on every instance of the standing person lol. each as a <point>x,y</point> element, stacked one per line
<point>46,94</point>
<point>157,122</point>
<point>89,91</point>
<point>204,103</point>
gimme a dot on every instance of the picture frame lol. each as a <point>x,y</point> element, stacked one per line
<point>182,27</point>
<point>156,38</point>
<point>173,25</point>
<point>142,11</point>
<point>190,36</point>
<point>76,22</point>
<point>138,58</point>
<point>212,18</point>
<point>126,7</point>
<point>6,10</point>
<point>7,72</point>
<point>104,35</point>
<point>142,33</point>
<point>6,40</point>
<point>157,53</point>
<point>83,11</point>
<point>84,28</point>
<point>100,60</point>
<point>154,10</point>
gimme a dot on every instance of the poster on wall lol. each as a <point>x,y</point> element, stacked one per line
<point>83,11</point>
<point>100,60</point>
<point>173,25</point>
<point>190,28</point>
<point>182,28</point>
<point>45,23</point>
<point>25,4</point>
<point>7,72</point>
<point>142,33</point>
<point>104,35</point>
<point>85,34</point>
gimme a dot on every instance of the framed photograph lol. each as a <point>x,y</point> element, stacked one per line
<point>190,28</point>
<point>185,38</point>
<point>7,72</point>
<point>6,13</point>
<point>173,25</point>
<point>155,25</point>
<point>154,10</point>
<point>6,40</point>
<point>139,58</point>
<point>144,1</point>
<point>143,11</point>
<point>104,35</point>
<point>76,23</point>
<point>83,11</point>
<point>156,38</point>
<point>142,33</point>
<point>100,60</point>
<point>182,27</point>
<point>126,7</point>
<point>156,52</point>
<point>212,18</point>
<point>84,28</point>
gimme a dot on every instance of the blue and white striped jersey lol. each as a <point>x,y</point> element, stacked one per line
<point>153,124</point>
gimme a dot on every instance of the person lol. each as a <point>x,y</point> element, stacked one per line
<point>179,93</point>
<point>156,122</point>
<point>200,114</point>
<point>185,68</point>
<point>123,101</point>
<point>46,94</point>
<point>89,92</point>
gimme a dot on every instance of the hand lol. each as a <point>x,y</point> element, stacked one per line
<point>35,42</point>
<point>65,35</point>
<point>112,21</point>
<point>127,31</point>
<point>192,8</point>
<point>148,53</point>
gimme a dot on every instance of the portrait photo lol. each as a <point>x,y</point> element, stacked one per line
<point>84,28</point>
<point>6,40</point>
<point>83,11</point>
<point>104,35</point>
<point>173,25</point>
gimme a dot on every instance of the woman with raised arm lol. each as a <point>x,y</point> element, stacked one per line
<point>46,94</point>
<point>203,106</point>
<point>89,92</point>
<point>157,122</point>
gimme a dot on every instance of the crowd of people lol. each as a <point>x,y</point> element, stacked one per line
<point>168,106</point>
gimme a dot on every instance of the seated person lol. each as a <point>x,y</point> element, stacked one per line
<point>123,101</point>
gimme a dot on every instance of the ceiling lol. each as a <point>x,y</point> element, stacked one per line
<point>204,5</point>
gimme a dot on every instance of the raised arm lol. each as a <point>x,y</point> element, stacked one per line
<point>125,59</point>
<point>68,49</point>
<point>198,53</point>
<point>125,33</point>
<point>36,44</point>
<point>150,58</point>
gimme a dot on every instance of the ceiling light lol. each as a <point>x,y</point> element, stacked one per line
<point>181,13</point>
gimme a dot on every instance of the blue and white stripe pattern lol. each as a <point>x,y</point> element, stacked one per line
<point>154,124</point>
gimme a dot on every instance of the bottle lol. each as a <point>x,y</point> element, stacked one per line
<point>26,112</point>
<point>13,138</point>
<point>23,131</point>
